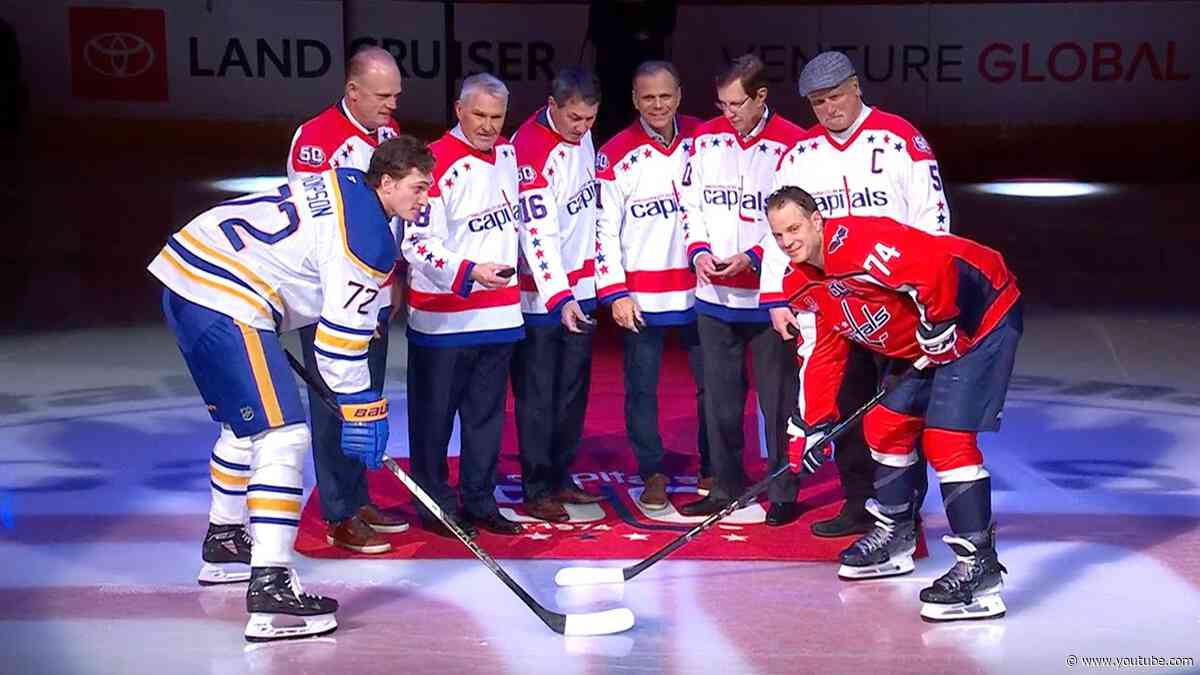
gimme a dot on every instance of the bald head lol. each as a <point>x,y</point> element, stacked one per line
<point>372,87</point>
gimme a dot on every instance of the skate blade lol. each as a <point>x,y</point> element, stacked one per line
<point>892,568</point>
<point>378,548</point>
<point>212,574</point>
<point>983,607</point>
<point>264,627</point>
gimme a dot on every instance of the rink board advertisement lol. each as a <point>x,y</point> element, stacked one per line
<point>991,63</point>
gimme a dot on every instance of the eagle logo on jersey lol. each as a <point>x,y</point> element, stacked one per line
<point>839,238</point>
<point>921,144</point>
<point>601,161</point>
<point>527,174</point>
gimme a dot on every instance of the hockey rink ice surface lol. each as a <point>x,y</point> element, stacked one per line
<point>104,448</point>
<point>105,497</point>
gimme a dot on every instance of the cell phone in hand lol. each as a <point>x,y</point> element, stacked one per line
<point>586,325</point>
<point>793,330</point>
<point>720,267</point>
<point>506,272</point>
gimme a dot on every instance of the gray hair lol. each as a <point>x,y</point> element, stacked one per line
<point>482,83</point>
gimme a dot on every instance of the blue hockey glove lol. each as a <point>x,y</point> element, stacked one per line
<point>364,427</point>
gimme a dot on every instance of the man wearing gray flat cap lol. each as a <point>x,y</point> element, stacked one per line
<point>858,161</point>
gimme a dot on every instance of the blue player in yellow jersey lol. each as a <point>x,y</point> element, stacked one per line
<point>318,250</point>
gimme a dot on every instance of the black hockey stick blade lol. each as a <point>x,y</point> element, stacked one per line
<point>592,623</point>
<point>577,576</point>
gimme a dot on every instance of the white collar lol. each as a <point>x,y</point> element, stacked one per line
<point>350,116</point>
<point>762,124</point>
<point>845,134</point>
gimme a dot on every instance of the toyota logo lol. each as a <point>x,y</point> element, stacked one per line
<point>119,55</point>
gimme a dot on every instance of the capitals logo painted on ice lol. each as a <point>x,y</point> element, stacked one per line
<point>864,332</point>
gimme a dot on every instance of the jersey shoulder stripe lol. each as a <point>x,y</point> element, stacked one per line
<point>366,237</point>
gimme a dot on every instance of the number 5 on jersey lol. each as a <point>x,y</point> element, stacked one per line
<point>878,259</point>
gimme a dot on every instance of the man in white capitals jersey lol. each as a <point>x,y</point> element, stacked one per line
<point>858,161</point>
<point>464,307</point>
<point>552,366</point>
<point>642,267</point>
<point>724,188</point>
<point>319,250</point>
<point>346,135</point>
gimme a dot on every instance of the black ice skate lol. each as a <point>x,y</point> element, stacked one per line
<point>226,555</point>
<point>971,589</point>
<point>885,551</point>
<point>281,610</point>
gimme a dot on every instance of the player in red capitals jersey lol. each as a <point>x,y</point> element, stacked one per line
<point>905,294</point>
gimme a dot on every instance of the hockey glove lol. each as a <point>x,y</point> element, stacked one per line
<point>942,342</point>
<point>364,427</point>
<point>807,449</point>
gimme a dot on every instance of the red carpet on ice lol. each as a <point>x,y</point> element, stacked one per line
<point>617,528</point>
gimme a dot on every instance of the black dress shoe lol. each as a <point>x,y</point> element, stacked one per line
<point>852,519</point>
<point>704,507</point>
<point>782,513</point>
<point>498,524</point>
<point>435,526</point>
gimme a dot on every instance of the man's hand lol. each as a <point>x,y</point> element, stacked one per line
<point>489,275</point>
<point>574,319</point>
<point>784,321</point>
<point>627,314</point>
<point>941,342</point>
<point>706,267</point>
<point>807,450</point>
<point>364,427</point>
<point>732,266</point>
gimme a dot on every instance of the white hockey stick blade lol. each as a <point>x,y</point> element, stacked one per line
<point>583,576</point>
<point>599,623</point>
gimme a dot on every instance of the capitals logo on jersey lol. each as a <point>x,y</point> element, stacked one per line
<point>526,174</point>
<point>867,331</point>
<point>839,238</point>
<point>601,161</point>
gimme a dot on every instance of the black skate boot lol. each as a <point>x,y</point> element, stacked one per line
<point>885,551</point>
<point>281,610</point>
<point>226,555</point>
<point>971,589</point>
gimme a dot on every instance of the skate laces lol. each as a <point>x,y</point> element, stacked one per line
<point>297,590</point>
<point>876,538</point>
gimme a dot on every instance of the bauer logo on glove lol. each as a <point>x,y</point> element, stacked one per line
<point>364,427</point>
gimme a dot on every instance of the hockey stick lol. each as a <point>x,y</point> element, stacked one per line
<point>593,623</point>
<point>579,576</point>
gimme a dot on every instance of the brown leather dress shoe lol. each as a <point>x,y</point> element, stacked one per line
<point>355,535</point>
<point>548,509</point>
<point>654,496</point>
<point>387,521</point>
<point>497,524</point>
<point>573,495</point>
